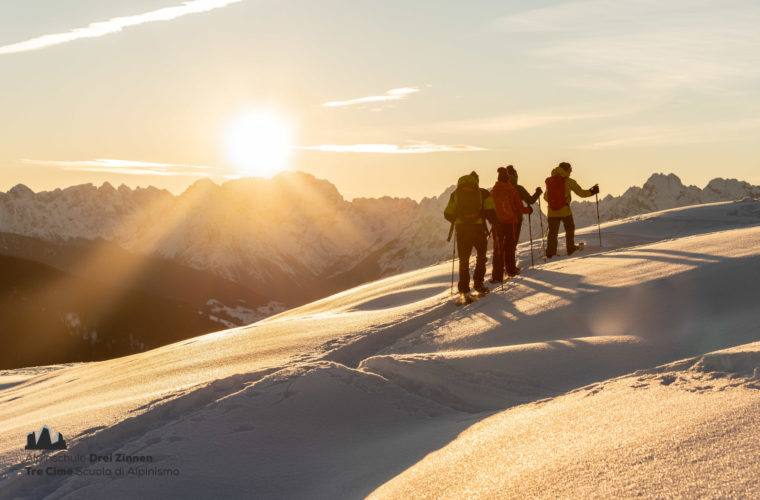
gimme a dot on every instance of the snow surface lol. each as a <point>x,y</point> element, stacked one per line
<point>604,374</point>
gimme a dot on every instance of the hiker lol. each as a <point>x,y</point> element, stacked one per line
<point>508,205</point>
<point>558,188</point>
<point>525,197</point>
<point>469,207</point>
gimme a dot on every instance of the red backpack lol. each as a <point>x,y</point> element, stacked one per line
<point>504,195</point>
<point>555,192</point>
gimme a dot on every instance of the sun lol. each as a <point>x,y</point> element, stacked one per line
<point>258,143</point>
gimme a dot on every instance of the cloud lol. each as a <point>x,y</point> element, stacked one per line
<point>675,134</point>
<point>420,148</point>
<point>649,44</point>
<point>116,24</point>
<point>514,122</point>
<point>390,95</point>
<point>126,167</point>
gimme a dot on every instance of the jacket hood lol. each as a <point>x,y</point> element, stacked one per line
<point>560,172</point>
<point>467,180</point>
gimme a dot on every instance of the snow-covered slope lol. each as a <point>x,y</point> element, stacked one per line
<point>390,388</point>
<point>292,238</point>
<point>688,429</point>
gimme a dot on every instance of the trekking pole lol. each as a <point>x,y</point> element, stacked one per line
<point>541,220</point>
<point>598,223</point>
<point>530,231</point>
<point>453,256</point>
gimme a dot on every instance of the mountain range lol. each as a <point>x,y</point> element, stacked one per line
<point>228,255</point>
<point>292,238</point>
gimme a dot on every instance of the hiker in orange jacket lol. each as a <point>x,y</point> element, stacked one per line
<point>558,189</point>
<point>508,206</point>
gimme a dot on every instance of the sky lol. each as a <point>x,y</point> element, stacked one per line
<point>390,98</point>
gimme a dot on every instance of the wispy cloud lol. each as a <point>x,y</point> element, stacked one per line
<point>675,134</point>
<point>419,148</point>
<point>126,167</point>
<point>514,122</point>
<point>116,24</point>
<point>391,95</point>
<point>648,44</point>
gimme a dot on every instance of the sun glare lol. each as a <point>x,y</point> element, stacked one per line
<point>258,143</point>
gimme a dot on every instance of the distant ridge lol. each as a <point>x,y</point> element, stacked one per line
<point>292,238</point>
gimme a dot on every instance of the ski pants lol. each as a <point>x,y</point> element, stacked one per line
<point>551,240</point>
<point>504,246</point>
<point>469,236</point>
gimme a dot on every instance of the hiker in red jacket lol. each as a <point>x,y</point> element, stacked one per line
<point>508,206</point>
<point>558,189</point>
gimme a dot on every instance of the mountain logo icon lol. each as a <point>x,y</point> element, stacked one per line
<point>41,440</point>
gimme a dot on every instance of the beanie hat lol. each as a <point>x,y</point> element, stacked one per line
<point>512,174</point>
<point>503,175</point>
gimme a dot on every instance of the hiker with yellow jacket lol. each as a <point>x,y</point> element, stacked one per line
<point>558,195</point>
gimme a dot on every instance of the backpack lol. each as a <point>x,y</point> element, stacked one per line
<point>503,199</point>
<point>468,201</point>
<point>555,192</point>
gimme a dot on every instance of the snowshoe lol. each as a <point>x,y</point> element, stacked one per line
<point>464,299</point>
<point>580,246</point>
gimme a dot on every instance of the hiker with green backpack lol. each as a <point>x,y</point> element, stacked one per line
<point>468,210</point>
<point>558,191</point>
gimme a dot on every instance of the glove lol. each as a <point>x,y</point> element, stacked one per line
<point>594,189</point>
<point>530,210</point>
<point>539,190</point>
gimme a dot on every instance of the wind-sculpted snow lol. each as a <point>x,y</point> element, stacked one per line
<point>570,381</point>
<point>475,380</point>
<point>682,430</point>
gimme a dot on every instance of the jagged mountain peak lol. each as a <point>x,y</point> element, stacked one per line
<point>734,187</point>
<point>202,186</point>
<point>664,183</point>
<point>107,187</point>
<point>286,193</point>
<point>20,191</point>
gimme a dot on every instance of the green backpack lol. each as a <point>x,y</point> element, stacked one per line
<point>468,200</point>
